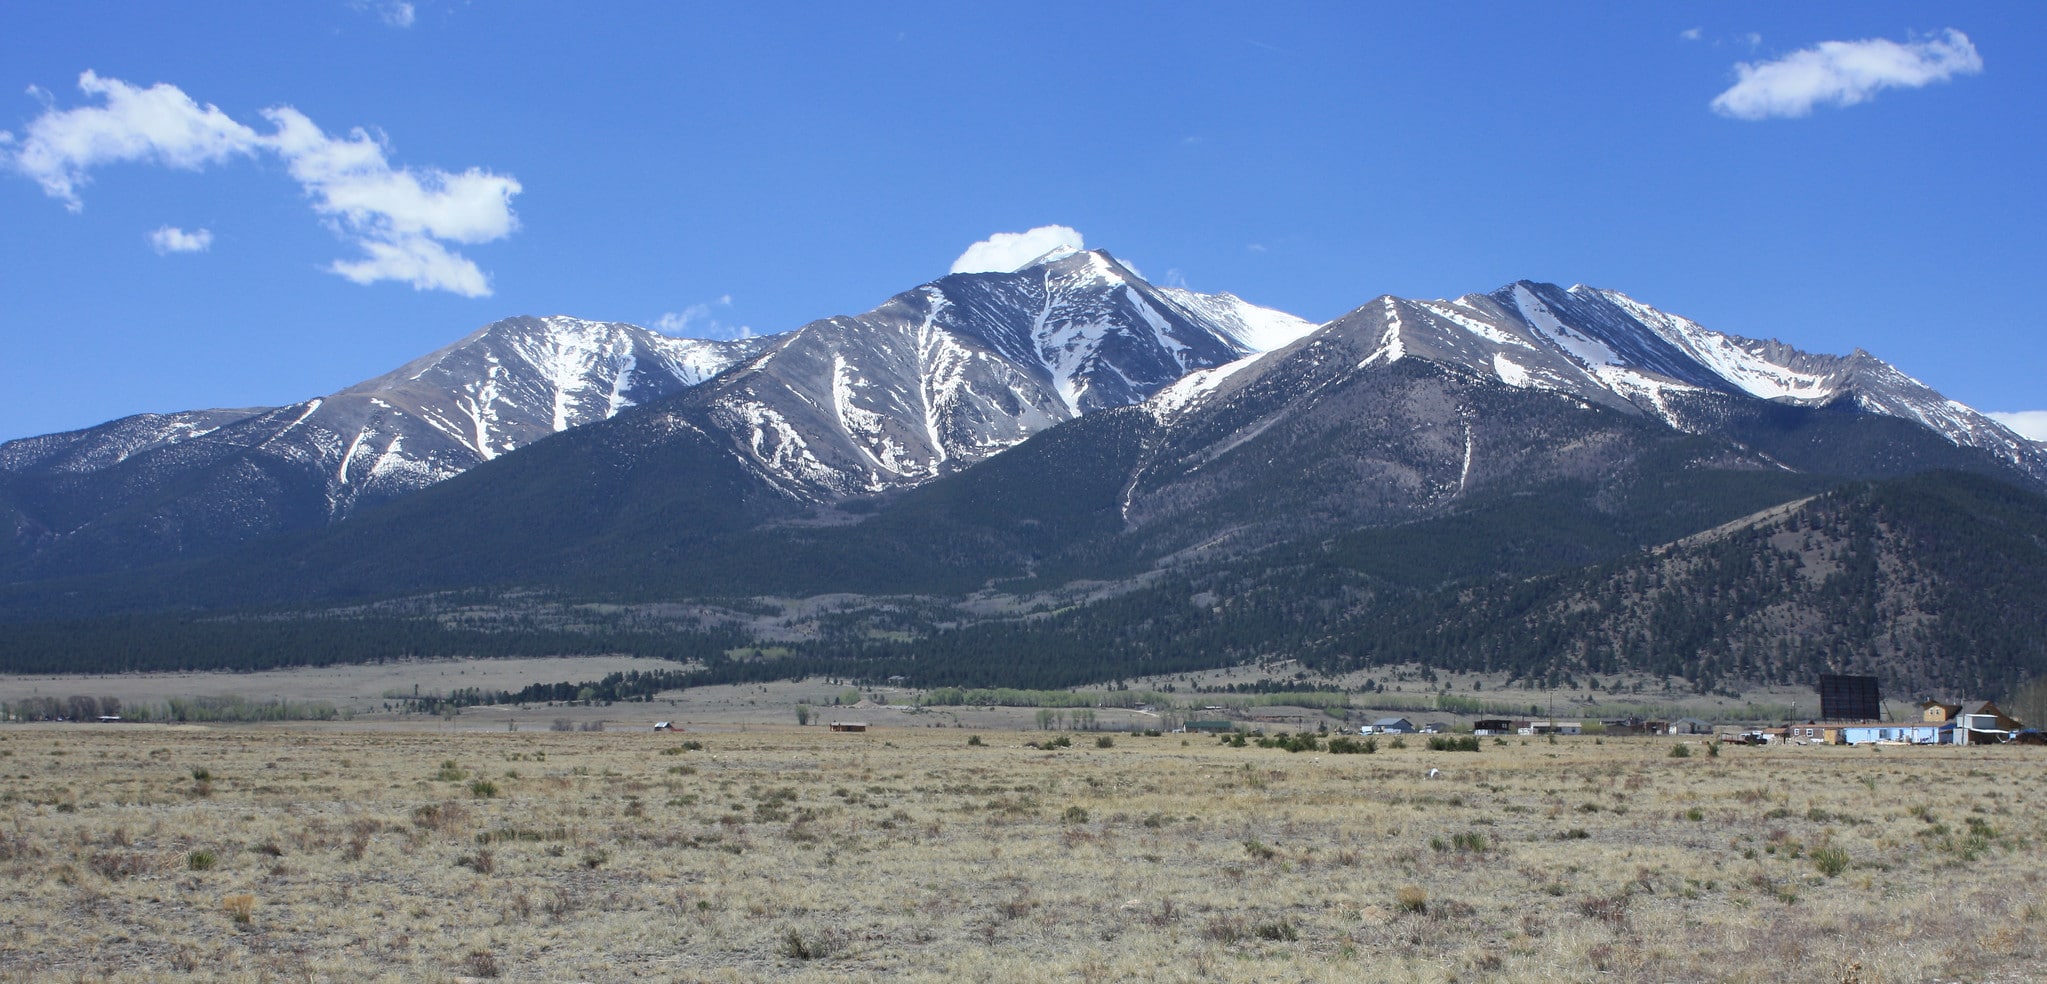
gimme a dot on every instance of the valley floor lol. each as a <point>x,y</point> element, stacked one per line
<point>137,852</point>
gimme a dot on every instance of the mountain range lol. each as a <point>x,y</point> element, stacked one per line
<point>1065,430</point>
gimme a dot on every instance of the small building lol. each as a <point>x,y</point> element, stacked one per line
<point>1492,726</point>
<point>849,726</point>
<point>1905,732</point>
<point>1811,733</point>
<point>1435,728</point>
<point>1390,726</point>
<point>1690,726</point>
<point>1210,727</point>
<point>1634,726</point>
<point>665,726</point>
<point>1980,722</point>
<point>1975,722</point>
<point>1554,728</point>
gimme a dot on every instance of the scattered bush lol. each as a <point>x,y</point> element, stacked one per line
<point>481,963</point>
<point>240,908</point>
<point>1412,899</point>
<point>1830,861</point>
<point>815,946</point>
<point>1453,743</point>
<point>1680,751</point>
<point>1224,927</point>
<point>202,860</point>
<point>975,740</point>
<point>1346,745</point>
<point>1105,742</point>
<point>1282,931</point>
<point>483,789</point>
<point>1075,814</point>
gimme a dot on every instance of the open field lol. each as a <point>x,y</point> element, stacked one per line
<point>371,696</point>
<point>134,853</point>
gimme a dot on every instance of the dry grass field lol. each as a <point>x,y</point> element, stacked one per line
<point>141,853</point>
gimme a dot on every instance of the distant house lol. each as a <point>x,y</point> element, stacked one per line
<point>1554,728</point>
<point>849,726</point>
<point>1631,726</point>
<point>1974,722</point>
<point>1811,733</point>
<point>1434,728</point>
<point>1492,726</point>
<point>1908,732</point>
<point>1979,721</point>
<point>1390,726</point>
<point>1690,726</point>
<point>665,726</point>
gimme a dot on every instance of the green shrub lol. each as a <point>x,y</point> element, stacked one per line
<point>483,789</point>
<point>1680,751</point>
<point>1830,861</point>
<point>1105,742</point>
<point>975,740</point>
<point>201,860</point>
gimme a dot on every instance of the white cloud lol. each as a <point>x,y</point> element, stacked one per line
<point>1843,73</point>
<point>400,217</point>
<point>351,180</point>
<point>2029,424</point>
<point>701,321</point>
<point>1008,251</point>
<point>416,260</point>
<point>157,125</point>
<point>1692,33</point>
<point>171,239</point>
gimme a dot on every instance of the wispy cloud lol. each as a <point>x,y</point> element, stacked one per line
<point>171,239</point>
<point>401,218</point>
<point>702,321</point>
<point>1843,73</point>
<point>1691,33</point>
<point>1007,251</point>
<point>396,13</point>
<point>2029,424</point>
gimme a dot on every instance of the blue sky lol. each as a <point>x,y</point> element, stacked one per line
<point>718,169</point>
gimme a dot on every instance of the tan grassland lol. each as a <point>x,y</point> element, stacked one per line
<point>306,853</point>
